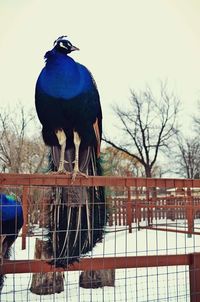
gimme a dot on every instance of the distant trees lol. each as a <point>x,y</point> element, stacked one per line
<point>196,119</point>
<point>21,147</point>
<point>146,127</point>
<point>116,162</point>
<point>188,157</point>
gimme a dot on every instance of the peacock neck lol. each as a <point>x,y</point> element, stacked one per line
<point>62,64</point>
<point>61,76</point>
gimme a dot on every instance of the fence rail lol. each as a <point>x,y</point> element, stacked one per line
<point>64,180</point>
<point>38,266</point>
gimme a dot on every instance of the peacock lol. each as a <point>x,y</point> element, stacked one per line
<point>11,221</point>
<point>68,107</point>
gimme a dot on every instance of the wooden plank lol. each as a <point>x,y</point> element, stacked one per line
<point>36,266</point>
<point>168,229</point>
<point>64,180</point>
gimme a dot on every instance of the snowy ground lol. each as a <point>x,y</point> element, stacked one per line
<point>135,285</point>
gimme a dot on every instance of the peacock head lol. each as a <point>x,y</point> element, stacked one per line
<point>62,44</point>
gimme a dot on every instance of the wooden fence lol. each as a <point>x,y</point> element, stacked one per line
<point>144,200</point>
<point>136,207</point>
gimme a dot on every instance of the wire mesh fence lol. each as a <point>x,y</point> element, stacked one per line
<point>150,248</point>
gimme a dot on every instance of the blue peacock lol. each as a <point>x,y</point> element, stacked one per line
<point>11,221</point>
<point>68,107</point>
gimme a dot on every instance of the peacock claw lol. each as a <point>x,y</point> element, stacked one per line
<point>76,173</point>
<point>59,172</point>
<point>64,172</point>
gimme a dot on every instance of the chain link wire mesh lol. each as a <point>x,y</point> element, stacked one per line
<point>143,221</point>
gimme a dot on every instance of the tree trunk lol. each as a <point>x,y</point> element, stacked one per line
<point>147,171</point>
<point>96,279</point>
<point>46,283</point>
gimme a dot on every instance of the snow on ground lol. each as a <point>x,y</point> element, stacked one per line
<point>135,285</point>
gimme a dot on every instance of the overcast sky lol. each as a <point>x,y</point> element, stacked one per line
<point>126,45</point>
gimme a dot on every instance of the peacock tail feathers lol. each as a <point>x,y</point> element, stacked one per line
<point>77,214</point>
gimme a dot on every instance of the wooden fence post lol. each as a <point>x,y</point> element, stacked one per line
<point>46,283</point>
<point>25,215</point>
<point>129,211</point>
<point>189,213</point>
<point>194,273</point>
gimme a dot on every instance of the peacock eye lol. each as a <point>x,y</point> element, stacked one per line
<point>64,45</point>
<point>69,44</point>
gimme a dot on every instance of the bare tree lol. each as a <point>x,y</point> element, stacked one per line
<point>196,119</point>
<point>148,126</point>
<point>21,147</point>
<point>188,157</point>
<point>188,153</point>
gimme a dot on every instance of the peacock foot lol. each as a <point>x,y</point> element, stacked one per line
<point>61,171</point>
<point>76,173</point>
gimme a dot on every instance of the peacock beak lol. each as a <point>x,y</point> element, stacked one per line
<point>74,48</point>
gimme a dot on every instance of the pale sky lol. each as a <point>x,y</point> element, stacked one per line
<point>125,43</point>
